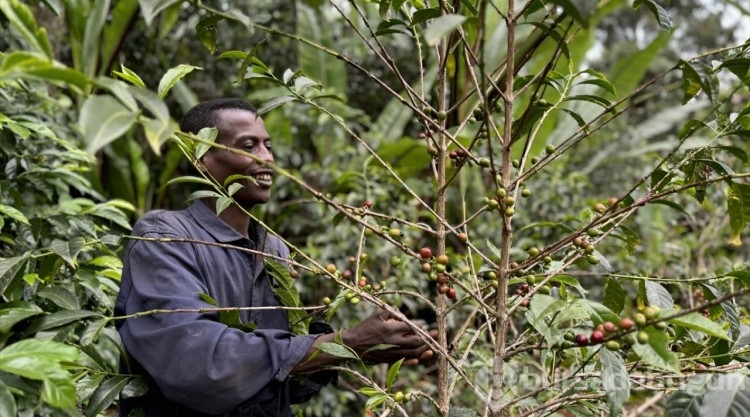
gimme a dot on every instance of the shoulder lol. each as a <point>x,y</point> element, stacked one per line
<point>163,222</point>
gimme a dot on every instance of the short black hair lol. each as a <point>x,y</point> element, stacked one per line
<point>204,114</point>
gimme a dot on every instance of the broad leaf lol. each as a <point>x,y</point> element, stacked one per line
<point>22,19</point>
<point>7,401</point>
<point>103,119</point>
<point>614,296</point>
<point>392,373</point>
<point>95,22</point>
<point>273,103</point>
<point>68,250</point>
<point>151,8</point>
<point>63,317</point>
<point>614,380</point>
<point>728,395</point>
<point>106,394</point>
<point>36,358</point>
<point>13,214</point>
<point>738,204</point>
<point>59,392</point>
<point>288,294</point>
<point>697,322</point>
<point>441,27</point>
<point>10,316</point>
<point>686,402</point>
<point>579,10</point>
<point>337,350</point>
<point>172,77</point>
<point>660,14</point>
<point>657,295</point>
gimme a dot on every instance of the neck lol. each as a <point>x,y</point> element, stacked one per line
<point>234,216</point>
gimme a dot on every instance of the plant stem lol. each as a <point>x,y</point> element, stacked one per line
<point>507,232</point>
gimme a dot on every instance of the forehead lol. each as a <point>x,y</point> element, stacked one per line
<point>236,123</point>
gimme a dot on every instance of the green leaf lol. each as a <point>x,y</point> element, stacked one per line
<point>59,392</point>
<point>738,66</point>
<point>392,374</point>
<point>222,203</point>
<point>686,402</point>
<point>203,194</point>
<point>728,307</point>
<point>614,381</point>
<point>119,89</point>
<point>614,296</point>
<point>273,103</point>
<point>22,19</point>
<point>657,295</point>
<point>738,204</point>
<point>337,350</point>
<point>36,358</point>
<point>697,322</point>
<point>95,21</point>
<point>102,120</point>
<point>369,391</point>
<point>424,15</point>
<point>8,269</point>
<point>442,27</point>
<point>13,214</point>
<point>10,316</point>
<point>106,394</point>
<point>287,294</point>
<point>728,395</point>
<point>579,10</point>
<point>114,32</point>
<point>656,352</point>
<point>661,15</point>
<point>375,401</point>
<point>694,79</point>
<point>64,317</point>
<point>151,101</point>
<point>599,313</point>
<point>173,76</point>
<point>151,8</point>
<point>190,179</point>
<point>130,76</point>
<point>7,401</point>
<point>68,250</point>
<point>603,102</point>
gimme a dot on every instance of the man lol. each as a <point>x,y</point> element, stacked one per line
<point>200,366</point>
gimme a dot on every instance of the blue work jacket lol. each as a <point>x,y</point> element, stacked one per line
<point>198,365</point>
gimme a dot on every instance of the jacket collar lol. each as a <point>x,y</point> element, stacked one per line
<point>207,220</point>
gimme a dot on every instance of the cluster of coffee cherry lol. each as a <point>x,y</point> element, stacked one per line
<point>608,332</point>
<point>437,264</point>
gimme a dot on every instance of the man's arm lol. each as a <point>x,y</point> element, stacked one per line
<point>379,328</point>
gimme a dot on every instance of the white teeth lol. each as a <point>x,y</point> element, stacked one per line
<point>265,178</point>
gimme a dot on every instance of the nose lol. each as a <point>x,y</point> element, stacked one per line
<point>264,154</point>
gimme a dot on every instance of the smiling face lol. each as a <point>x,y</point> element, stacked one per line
<point>242,129</point>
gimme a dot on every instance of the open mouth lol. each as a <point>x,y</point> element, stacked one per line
<point>263,180</point>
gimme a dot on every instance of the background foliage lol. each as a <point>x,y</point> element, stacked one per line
<point>628,126</point>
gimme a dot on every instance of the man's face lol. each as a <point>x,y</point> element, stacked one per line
<point>241,129</point>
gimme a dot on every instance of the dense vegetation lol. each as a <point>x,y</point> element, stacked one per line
<point>559,187</point>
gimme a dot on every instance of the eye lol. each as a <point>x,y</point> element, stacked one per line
<point>268,145</point>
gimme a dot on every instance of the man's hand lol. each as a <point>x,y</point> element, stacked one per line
<point>383,328</point>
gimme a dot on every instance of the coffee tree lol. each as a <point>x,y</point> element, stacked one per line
<point>472,203</point>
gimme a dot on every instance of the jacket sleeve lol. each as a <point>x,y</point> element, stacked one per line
<point>195,360</point>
